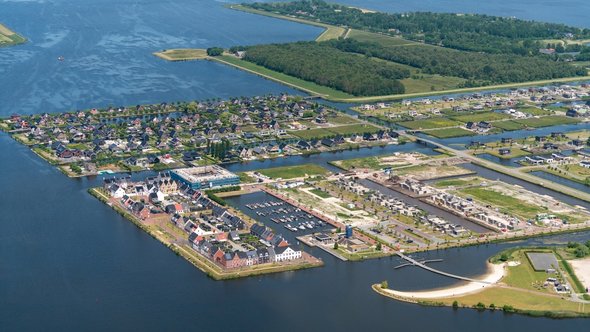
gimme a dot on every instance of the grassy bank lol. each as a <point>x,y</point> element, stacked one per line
<point>291,172</point>
<point>183,54</point>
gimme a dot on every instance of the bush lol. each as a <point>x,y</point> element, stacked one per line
<point>480,306</point>
<point>455,304</point>
<point>508,308</point>
<point>384,284</point>
<point>214,51</point>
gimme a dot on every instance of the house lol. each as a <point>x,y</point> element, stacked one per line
<point>504,151</point>
<point>282,254</point>
<point>507,140</point>
<point>328,142</point>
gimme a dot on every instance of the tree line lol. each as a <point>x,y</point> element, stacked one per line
<point>328,66</point>
<point>472,32</point>
<point>477,68</point>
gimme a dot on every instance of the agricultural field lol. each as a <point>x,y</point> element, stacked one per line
<point>482,116</point>
<point>449,132</point>
<point>431,123</point>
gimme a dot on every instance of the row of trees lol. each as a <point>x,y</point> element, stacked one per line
<point>218,150</point>
<point>484,68</point>
<point>325,65</point>
<point>481,33</point>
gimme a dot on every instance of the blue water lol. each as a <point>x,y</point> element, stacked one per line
<point>70,263</point>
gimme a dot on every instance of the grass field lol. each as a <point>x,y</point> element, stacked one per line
<point>297,83</point>
<point>431,123</point>
<point>483,116</point>
<point>428,82</point>
<point>534,111</point>
<point>331,32</point>
<point>458,182</point>
<point>506,204</point>
<point>320,193</point>
<point>367,162</point>
<point>520,299</point>
<point>508,125</point>
<point>182,54</point>
<point>290,172</point>
<point>384,40</point>
<point>449,132</point>
<point>523,275</point>
<point>514,152</point>
<point>547,121</point>
<point>9,37</point>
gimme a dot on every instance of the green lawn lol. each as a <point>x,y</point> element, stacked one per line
<point>508,125</point>
<point>534,111</point>
<point>514,152</point>
<point>506,204</point>
<point>320,193</point>
<point>431,123</point>
<point>482,116</point>
<point>547,121</point>
<point>290,172</point>
<point>449,132</point>
<point>332,32</point>
<point>523,275</point>
<point>428,82</point>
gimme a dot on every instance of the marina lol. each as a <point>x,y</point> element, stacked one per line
<point>101,272</point>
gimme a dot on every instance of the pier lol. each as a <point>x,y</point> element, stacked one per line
<point>303,208</point>
<point>414,262</point>
<point>422,262</point>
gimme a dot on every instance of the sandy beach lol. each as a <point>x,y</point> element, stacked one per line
<point>582,270</point>
<point>494,275</point>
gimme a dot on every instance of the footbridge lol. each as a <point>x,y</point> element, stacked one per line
<point>446,274</point>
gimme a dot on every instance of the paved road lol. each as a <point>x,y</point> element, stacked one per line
<point>507,170</point>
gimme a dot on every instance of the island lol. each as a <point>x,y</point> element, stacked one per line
<point>9,37</point>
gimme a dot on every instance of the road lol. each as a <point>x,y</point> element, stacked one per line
<point>506,170</point>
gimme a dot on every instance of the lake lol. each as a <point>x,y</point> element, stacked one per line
<point>69,262</point>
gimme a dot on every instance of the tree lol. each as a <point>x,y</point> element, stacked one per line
<point>384,284</point>
<point>336,245</point>
<point>378,246</point>
<point>455,304</point>
<point>214,51</point>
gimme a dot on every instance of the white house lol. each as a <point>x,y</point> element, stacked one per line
<point>286,254</point>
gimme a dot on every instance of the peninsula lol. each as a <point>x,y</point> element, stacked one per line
<point>536,281</point>
<point>410,57</point>
<point>9,37</point>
